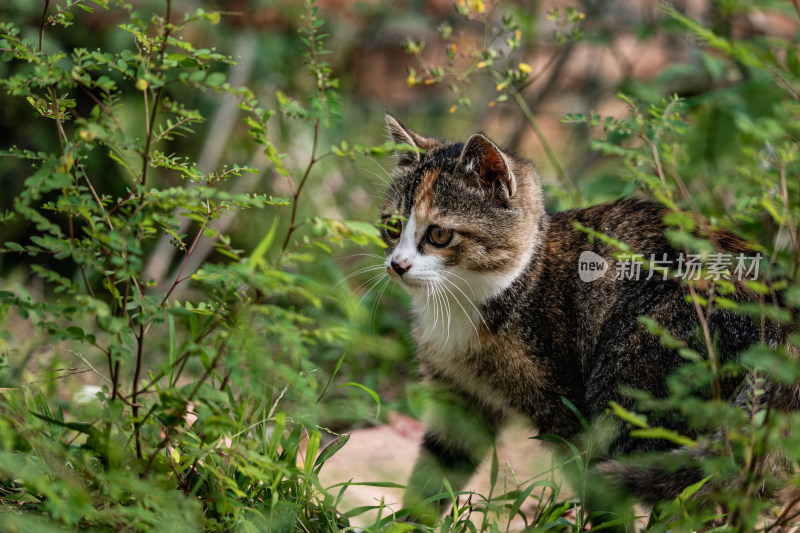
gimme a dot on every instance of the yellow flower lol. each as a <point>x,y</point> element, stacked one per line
<point>453,109</point>
<point>411,80</point>
<point>481,64</point>
<point>67,166</point>
<point>477,6</point>
<point>524,67</point>
<point>87,135</point>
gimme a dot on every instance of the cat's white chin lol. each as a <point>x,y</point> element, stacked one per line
<point>413,286</point>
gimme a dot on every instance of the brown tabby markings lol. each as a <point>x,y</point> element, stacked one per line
<point>423,200</point>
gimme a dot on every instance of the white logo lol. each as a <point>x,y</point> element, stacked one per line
<point>691,267</point>
<point>591,266</point>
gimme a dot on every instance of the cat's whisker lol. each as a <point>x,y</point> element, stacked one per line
<point>384,180</point>
<point>378,164</point>
<point>427,299</point>
<point>461,306</point>
<point>369,281</point>
<point>445,311</point>
<point>445,301</point>
<point>345,257</point>
<point>441,299</point>
<point>477,311</point>
<point>435,299</point>
<point>364,270</point>
<point>376,302</point>
<point>471,287</point>
<point>373,282</point>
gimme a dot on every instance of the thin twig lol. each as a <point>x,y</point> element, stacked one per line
<point>82,358</point>
<point>178,278</point>
<point>42,24</point>
<point>57,115</point>
<point>788,215</point>
<point>701,316</point>
<point>150,122</point>
<point>135,409</point>
<point>296,195</point>
<point>561,174</point>
<point>61,11</point>
<point>105,109</point>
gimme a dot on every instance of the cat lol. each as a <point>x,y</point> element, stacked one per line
<point>507,323</point>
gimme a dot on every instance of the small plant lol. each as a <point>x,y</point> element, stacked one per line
<point>205,418</point>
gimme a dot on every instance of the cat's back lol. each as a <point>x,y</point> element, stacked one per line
<point>576,274</point>
<point>600,269</point>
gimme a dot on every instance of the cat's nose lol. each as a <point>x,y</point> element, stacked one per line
<point>402,267</point>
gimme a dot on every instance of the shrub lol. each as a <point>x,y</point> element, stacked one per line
<point>210,395</point>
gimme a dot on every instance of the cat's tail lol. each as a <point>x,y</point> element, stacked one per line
<point>664,477</point>
<point>656,480</point>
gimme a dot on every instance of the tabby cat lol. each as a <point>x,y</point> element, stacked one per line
<point>505,325</point>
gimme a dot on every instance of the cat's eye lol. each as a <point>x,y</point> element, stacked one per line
<point>394,227</point>
<point>439,237</point>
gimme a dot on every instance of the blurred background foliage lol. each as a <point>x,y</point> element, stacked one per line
<point>445,69</point>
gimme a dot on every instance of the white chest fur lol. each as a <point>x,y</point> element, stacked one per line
<point>446,325</point>
<point>451,340</point>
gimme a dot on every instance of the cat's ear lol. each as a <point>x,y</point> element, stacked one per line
<point>486,164</point>
<point>401,134</point>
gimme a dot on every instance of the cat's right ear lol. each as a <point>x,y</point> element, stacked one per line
<point>486,167</point>
<point>401,134</point>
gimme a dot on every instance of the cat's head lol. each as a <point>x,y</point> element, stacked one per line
<point>459,218</point>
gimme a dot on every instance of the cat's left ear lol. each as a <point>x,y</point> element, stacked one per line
<point>401,134</point>
<point>483,161</point>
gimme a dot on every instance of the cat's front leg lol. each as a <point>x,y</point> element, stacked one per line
<point>459,433</point>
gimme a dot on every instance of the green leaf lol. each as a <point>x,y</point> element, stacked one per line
<point>664,433</point>
<point>575,411</point>
<point>278,428</point>
<point>257,257</point>
<point>215,79</point>
<point>401,527</point>
<point>631,418</point>
<point>311,452</point>
<point>80,427</point>
<point>173,348</point>
<point>330,450</point>
<point>777,365</point>
<point>372,393</point>
<point>692,489</point>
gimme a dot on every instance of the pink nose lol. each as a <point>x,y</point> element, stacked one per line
<point>401,267</point>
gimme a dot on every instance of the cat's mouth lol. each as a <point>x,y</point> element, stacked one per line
<point>410,282</point>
